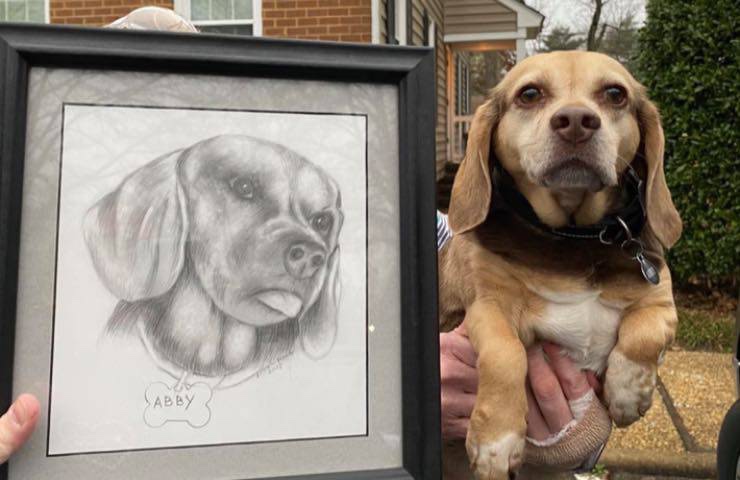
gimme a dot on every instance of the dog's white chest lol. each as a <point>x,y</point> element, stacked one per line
<point>583,323</point>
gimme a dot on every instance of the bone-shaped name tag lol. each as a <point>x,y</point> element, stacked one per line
<point>188,403</point>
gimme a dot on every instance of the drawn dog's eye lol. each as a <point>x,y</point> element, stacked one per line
<point>322,222</point>
<point>243,187</point>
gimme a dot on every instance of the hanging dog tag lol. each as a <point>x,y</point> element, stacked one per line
<point>648,269</point>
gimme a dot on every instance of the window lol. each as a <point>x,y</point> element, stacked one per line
<point>241,17</point>
<point>462,86</point>
<point>396,24</point>
<point>24,10</point>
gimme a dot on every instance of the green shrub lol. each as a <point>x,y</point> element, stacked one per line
<point>700,330</point>
<point>688,59</point>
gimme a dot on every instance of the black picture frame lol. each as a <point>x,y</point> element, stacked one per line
<point>24,46</point>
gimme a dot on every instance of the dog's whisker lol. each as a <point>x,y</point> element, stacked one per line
<point>623,160</point>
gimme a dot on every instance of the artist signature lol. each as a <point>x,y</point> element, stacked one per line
<point>271,368</point>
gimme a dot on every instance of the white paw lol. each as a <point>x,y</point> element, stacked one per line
<point>497,460</point>
<point>628,389</point>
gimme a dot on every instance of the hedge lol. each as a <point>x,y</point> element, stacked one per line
<point>688,53</point>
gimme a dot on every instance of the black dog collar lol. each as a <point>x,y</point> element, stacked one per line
<point>621,228</point>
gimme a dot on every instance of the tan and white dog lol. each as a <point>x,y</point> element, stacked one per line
<point>565,129</point>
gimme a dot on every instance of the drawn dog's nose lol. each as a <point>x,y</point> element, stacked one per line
<point>302,259</point>
<point>575,124</point>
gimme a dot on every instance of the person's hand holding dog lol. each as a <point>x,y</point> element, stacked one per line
<point>550,386</point>
<point>561,400</point>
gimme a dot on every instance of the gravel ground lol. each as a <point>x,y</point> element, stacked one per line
<point>654,432</point>
<point>629,476</point>
<point>620,476</point>
<point>703,389</point>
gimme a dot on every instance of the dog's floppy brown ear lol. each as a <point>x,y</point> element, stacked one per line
<point>136,234</point>
<point>318,325</point>
<point>471,192</point>
<point>662,216</point>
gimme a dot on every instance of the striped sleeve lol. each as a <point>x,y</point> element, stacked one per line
<point>443,230</point>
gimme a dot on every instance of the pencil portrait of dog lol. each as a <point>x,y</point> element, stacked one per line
<point>225,254</point>
<point>561,215</point>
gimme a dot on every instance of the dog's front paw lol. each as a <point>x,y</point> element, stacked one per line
<point>496,458</point>
<point>628,389</point>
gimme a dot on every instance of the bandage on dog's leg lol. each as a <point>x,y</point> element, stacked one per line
<point>581,439</point>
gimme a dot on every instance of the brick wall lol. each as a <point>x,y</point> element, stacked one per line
<point>337,20</point>
<point>96,12</point>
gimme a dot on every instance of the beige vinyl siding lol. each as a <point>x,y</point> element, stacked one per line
<point>435,10</point>
<point>441,129</point>
<point>436,13</point>
<point>477,16</point>
<point>417,24</point>
<point>383,11</point>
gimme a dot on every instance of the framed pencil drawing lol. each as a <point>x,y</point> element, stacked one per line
<point>222,252</point>
<point>218,258</point>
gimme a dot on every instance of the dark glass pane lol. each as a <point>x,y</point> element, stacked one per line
<point>230,29</point>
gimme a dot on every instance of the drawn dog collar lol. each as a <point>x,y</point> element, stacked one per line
<point>189,378</point>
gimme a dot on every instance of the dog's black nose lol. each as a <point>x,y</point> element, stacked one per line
<point>303,259</point>
<point>575,124</point>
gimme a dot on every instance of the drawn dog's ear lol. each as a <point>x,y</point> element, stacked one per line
<point>136,234</point>
<point>471,192</point>
<point>318,325</point>
<point>662,216</point>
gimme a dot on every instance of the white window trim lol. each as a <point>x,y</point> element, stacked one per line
<point>375,20</point>
<point>474,37</point>
<point>525,16</point>
<point>218,23</point>
<point>182,7</point>
<point>257,18</point>
<point>462,65</point>
<point>401,34</point>
<point>432,34</point>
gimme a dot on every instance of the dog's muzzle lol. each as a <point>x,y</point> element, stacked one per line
<point>575,173</point>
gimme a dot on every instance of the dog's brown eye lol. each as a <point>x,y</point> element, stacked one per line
<point>322,222</point>
<point>243,187</point>
<point>615,95</point>
<point>530,95</point>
